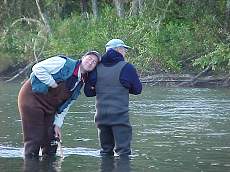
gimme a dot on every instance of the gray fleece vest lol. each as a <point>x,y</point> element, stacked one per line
<point>112,99</point>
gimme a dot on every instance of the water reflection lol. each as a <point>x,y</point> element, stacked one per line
<point>114,164</point>
<point>174,129</point>
<point>51,164</point>
<point>10,152</point>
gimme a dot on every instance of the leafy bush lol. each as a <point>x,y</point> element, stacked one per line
<point>168,37</point>
<point>218,59</point>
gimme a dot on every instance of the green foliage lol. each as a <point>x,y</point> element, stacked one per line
<point>168,36</point>
<point>23,39</point>
<point>75,35</point>
<point>159,44</point>
<point>218,59</point>
<point>6,60</point>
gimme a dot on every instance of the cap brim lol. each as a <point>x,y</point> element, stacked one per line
<point>127,47</point>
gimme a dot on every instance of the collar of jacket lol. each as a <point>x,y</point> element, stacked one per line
<point>76,69</point>
<point>84,76</point>
<point>111,57</point>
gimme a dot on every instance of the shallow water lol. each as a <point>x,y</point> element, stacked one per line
<point>174,129</point>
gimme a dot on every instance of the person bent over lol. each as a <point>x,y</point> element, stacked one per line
<point>45,98</point>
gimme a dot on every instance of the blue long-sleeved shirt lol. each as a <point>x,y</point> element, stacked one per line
<point>128,76</point>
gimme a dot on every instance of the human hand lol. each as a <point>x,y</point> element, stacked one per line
<point>57,132</point>
<point>54,85</point>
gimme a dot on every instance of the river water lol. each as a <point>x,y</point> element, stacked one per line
<point>174,130</point>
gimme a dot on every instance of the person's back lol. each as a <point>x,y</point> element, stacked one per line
<point>112,100</point>
<point>115,79</point>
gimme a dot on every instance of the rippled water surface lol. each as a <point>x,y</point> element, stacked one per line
<point>174,129</point>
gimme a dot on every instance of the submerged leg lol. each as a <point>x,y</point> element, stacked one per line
<point>33,130</point>
<point>106,140</point>
<point>49,147</point>
<point>123,137</point>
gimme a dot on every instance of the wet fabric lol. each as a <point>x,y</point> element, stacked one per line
<point>37,112</point>
<point>112,106</point>
<point>112,100</point>
<point>118,136</point>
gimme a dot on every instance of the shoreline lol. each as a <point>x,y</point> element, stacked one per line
<point>186,80</point>
<point>162,79</point>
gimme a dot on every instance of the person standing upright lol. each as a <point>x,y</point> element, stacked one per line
<point>112,83</point>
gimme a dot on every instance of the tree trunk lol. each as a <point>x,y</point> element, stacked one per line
<point>137,7</point>
<point>84,8</point>
<point>213,6</point>
<point>192,82</point>
<point>119,4</point>
<point>95,8</point>
<point>227,16</point>
<point>141,6</point>
<point>134,8</point>
<point>47,26</point>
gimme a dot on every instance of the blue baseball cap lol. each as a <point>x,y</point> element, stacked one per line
<point>115,43</point>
